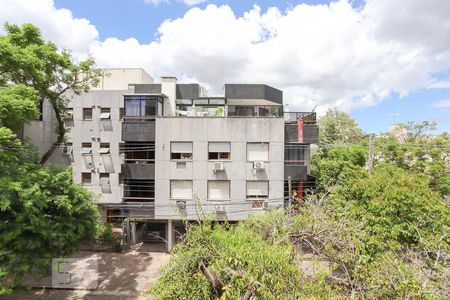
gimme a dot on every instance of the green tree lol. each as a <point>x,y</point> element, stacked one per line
<point>25,58</point>
<point>42,213</point>
<point>337,127</point>
<point>18,104</point>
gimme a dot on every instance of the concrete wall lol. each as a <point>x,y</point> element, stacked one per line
<point>42,134</point>
<point>118,79</point>
<point>98,131</point>
<point>200,131</point>
<point>253,91</point>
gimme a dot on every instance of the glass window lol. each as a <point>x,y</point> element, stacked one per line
<point>86,178</point>
<point>244,111</point>
<point>140,106</point>
<point>257,151</point>
<point>104,148</point>
<point>217,101</point>
<point>219,150</point>
<point>181,150</point>
<point>86,148</point>
<point>201,101</point>
<point>181,189</point>
<point>257,189</point>
<point>218,189</point>
<point>184,101</point>
<point>105,113</point>
<point>87,114</point>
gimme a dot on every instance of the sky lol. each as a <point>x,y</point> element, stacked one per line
<point>383,61</point>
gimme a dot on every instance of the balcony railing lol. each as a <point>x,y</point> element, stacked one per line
<point>307,117</point>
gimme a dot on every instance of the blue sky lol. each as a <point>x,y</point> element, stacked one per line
<point>384,61</point>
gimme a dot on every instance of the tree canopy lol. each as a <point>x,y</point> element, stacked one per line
<point>31,63</point>
<point>43,214</point>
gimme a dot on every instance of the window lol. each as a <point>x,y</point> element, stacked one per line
<point>218,189</point>
<point>138,190</point>
<point>105,113</point>
<point>257,151</point>
<point>104,183</point>
<point>181,189</point>
<point>40,107</point>
<point>104,148</point>
<point>257,189</point>
<point>138,151</point>
<point>68,118</point>
<point>87,113</point>
<point>294,153</point>
<point>140,106</point>
<point>86,178</point>
<point>86,148</point>
<point>181,150</point>
<point>241,111</point>
<point>219,150</point>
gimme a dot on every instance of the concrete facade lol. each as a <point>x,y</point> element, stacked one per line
<point>200,131</point>
<point>123,153</point>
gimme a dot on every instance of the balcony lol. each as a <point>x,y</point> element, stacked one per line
<point>138,131</point>
<point>138,170</point>
<point>301,127</point>
<point>296,169</point>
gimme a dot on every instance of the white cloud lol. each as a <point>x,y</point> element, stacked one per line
<point>187,2</point>
<point>323,55</point>
<point>443,104</point>
<point>58,25</point>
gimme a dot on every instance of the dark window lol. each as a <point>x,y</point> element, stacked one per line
<point>244,111</point>
<point>294,152</point>
<point>181,150</point>
<point>138,189</point>
<point>41,111</point>
<point>141,106</point>
<point>86,178</point>
<point>138,151</point>
<point>87,113</point>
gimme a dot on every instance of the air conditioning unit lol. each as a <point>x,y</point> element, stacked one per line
<point>219,208</point>
<point>218,166</point>
<point>258,165</point>
<point>181,204</point>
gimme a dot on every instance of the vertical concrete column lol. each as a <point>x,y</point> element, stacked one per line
<point>133,232</point>
<point>169,88</point>
<point>169,235</point>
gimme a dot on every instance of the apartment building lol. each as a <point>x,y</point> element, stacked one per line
<point>160,153</point>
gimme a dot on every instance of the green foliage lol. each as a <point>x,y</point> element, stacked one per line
<point>255,262</point>
<point>42,213</point>
<point>25,58</point>
<point>106,235</point>
<point>18,104</point>
<point>337,127</point>
<point>338,165</point>
<point>399,208</point>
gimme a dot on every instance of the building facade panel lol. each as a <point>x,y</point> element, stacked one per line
<point>237,170</point>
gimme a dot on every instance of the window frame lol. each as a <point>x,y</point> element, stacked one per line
<point>218,154</point>
<point>86,174</point>
<point>181,198</point>
<point>220,199</point>
<point>85,109</point>
<point>257,197</point>
<point>258,143</point>
<point>172,158</point>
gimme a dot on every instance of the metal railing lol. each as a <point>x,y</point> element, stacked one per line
<point>307,117</point>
